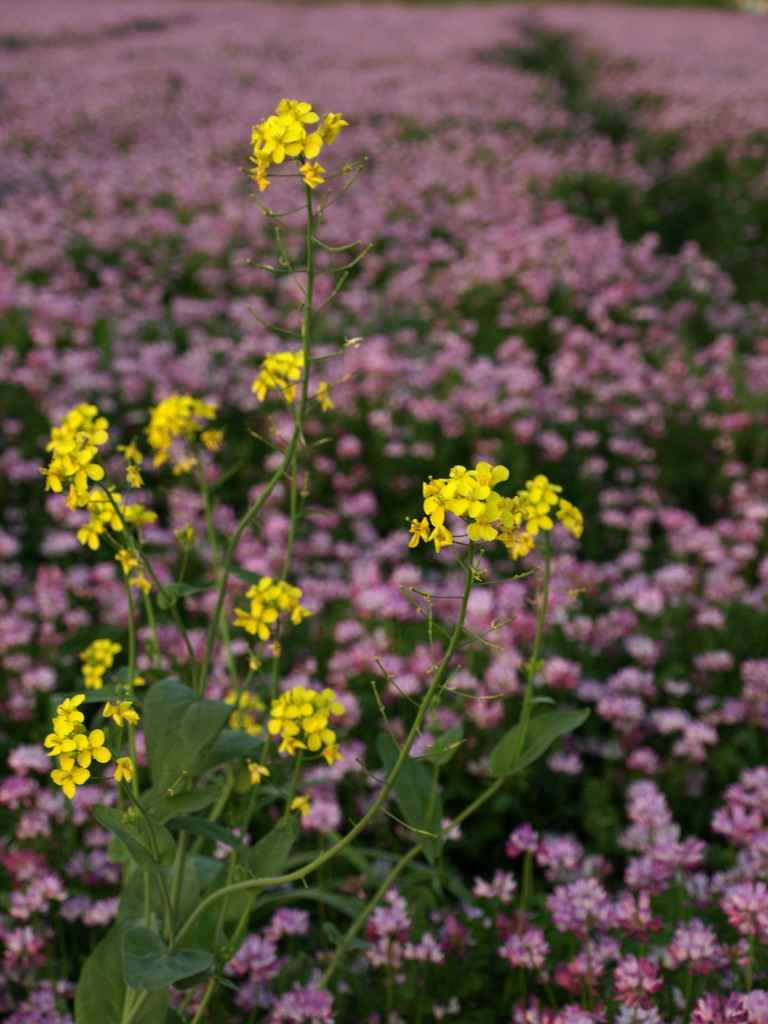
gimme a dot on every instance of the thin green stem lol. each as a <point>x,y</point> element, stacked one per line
<point>533,663</point>
<point>434,689</point>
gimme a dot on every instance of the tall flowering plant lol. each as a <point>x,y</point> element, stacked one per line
<point>193,770</point>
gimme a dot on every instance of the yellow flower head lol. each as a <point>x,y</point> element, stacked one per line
<point>121,713</point>
<point>300,717</point>
<point>176,416</point>
<point>284,135</point>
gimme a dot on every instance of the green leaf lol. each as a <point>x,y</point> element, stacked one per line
<point>177,727</point>
<point>184,803</point>
<point>542,732</point>
<point>199,875</point>
<point>416,796</point>
<point>149,967</point>
<point>337,938</point>
<point>101,990</point>
<point>245,575</point>
<point>445,746</point>
<point>229,745</point>
<point>267,857</point>
<point>173,591</point>
<point>135,841</point>
<point>206,829</point>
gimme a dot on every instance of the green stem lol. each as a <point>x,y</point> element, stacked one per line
<point>204,1002</point>
<point>435,687</point>
<point>533,664</point>
<point>294,785</point>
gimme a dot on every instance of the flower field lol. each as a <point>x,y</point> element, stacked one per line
<point>384,578</point>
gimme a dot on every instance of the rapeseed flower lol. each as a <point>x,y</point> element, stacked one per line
<point>98,657</point>
<point>281,371</point>
<point>245,717</point>
<point>284,135</point>
<point>121,713</point>
<point>300,718</point>
<point>268,600</point>
<point>74,444</point>
<point>177,416</point>
<point>470,495</point>
<point>75,747</point>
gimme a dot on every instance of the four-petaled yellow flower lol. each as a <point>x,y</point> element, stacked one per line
<point>312,174</point>
<point>302,803</point>
<point>257,772</point>
<point>122,712</point>
<point>123,769</point>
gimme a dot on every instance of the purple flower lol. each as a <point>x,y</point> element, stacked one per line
<point>302,1006</point>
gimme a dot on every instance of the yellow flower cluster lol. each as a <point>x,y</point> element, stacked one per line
<point>281,371</point>
<point>300,717</point>
<point>268,600</point>
<point>107,512</point>
<point>74,747</point>
<point>284,134</point>
<point>469,494</point>
<point>177,416</point>
<point>97,659</point>
<point>73,446</point>
<point>246,714</point>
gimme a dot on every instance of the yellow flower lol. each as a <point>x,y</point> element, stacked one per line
<point>248,707</point>
<point>133,476</point>
<point>176,416</point>
<point>257,772</point>
<point>331,126</point>
<point>97,659</point>
<point>419,530</point>
<point>323,396</point>
<point>212,439</point>
<point>124,769</point>
<point>127,560</point>
<point>312,174</point>
<point>280,371</point>
<point>142,582</point>
<point>571,518</point>
<point>91,747</point>
<point>300,717</point>
<point>302,804</point>
<point>131,452</point>
<point>69,776</point>
<point>442,537</point>
<point>121,713</point>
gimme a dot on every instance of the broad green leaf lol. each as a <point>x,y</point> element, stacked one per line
<point>267,857</point>
<point>336,937</point>
<point>229,745</point>
<point>445,746</point>
<point>101,990</point>
<point>178,726</point>
<point>183,803</point>
<point>416,796</point>
<point>135,841</point>
<point>206,829</point>
<point>149,967</point>
<point>542,732</point>
<point>199,874</point>
<point>245,575</point>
